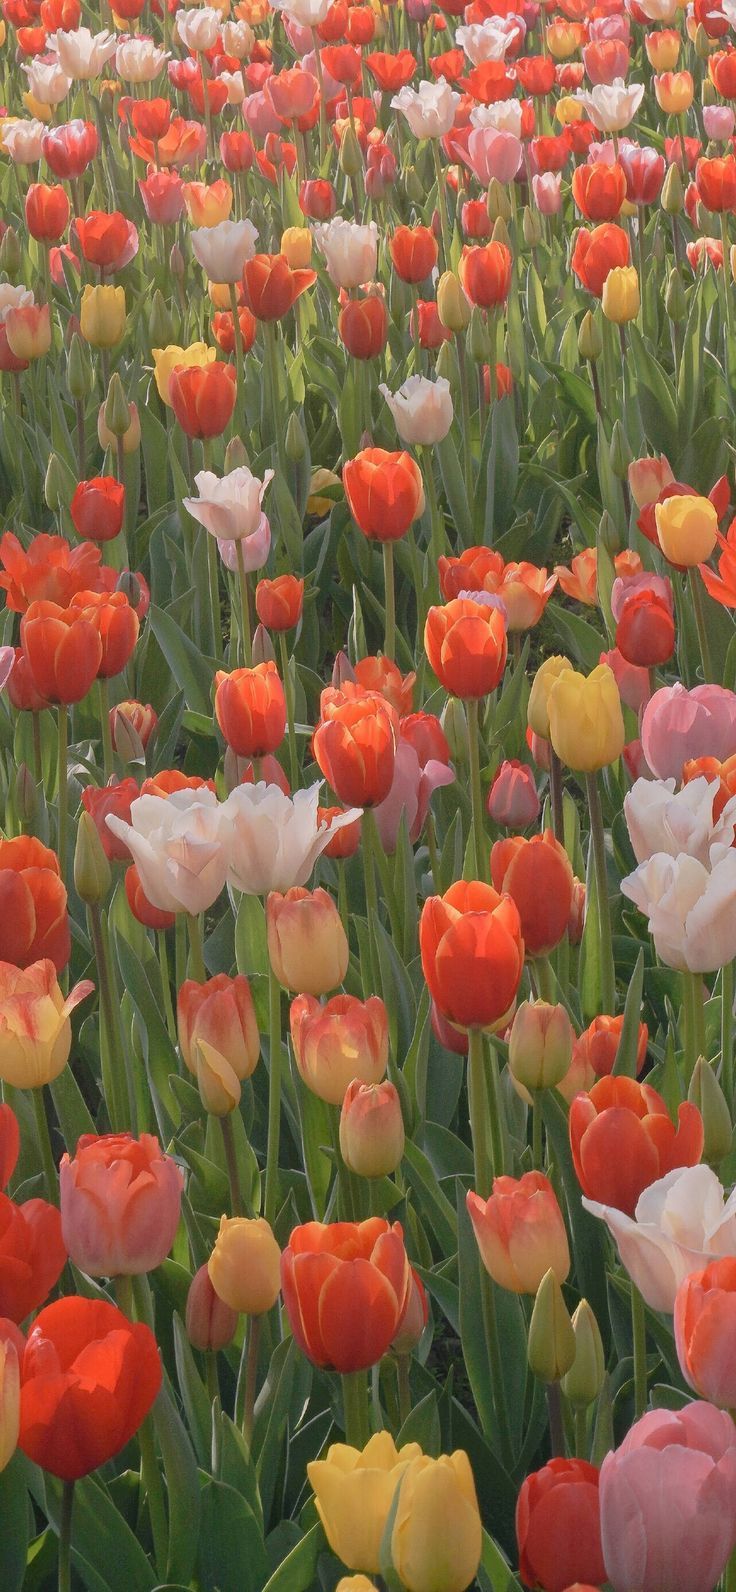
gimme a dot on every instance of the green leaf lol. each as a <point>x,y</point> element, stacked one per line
<point>297,1572</point>
<point>625,1062</point>
<point>232,1554</point>
<point>192,672</point>
<point>455,488</point>
<point>182,1486</point>
<point>14,1524</point>
<point>496,1572</point>
<point>587,1232</point>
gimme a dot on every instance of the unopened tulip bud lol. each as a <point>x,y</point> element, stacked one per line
<point>620,454</point>
<point>218,1084</point>
<point>415,190</point>
<point>177,264</point>
<point>707,1094</point>
<point>11,257</point>
<point>307,945</point>
<point>455,725</point>
<point>25,795</point>
<point>92,877</point>
<point>117,408</point>
<point>674,299</point>
<point>531,223</point>
<point>447,365</point>
<point>621,299</point>
<point>708,93</point>
<point>453,307</point>
<point>576,920</point>
<point>125,739</point>
<point>499,204</point>
<point>245,1265</point>
<point>161,329</point>
<point>371,1129</point>
<point>79,376</point>
<point>342,670</point>
<point>500,232</point>
<point>479,342</point>
<point>236,455</point>
<point>296,441</point>
<point>702,218</point>
<point>584,1380</point>
<point>703,44</point>
<point>672,197</point>
<point>540,1045</point>
<point>350,158</point>
<point>263,649</point>
<point>551,1345</point>
<point>590,338</point>
<point>210,1323</point>
<point>131,438</point>
<point>54,484</point>
<point>414,1319</point>
<point>608,534</point>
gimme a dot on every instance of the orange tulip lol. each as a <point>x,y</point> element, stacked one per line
<point>598,252</point>
<point>715,181</point>
<point>414,253</point>
<point>465,642</point>
<point>279,602</point>
<point>597,1047</point>
<point>485,273</point>
<point>63,648</point>
<point>384,491</point>
<point>381,675</point>
<point>537,875</point>
<point>623,1139</point>
<point>203,397</point>
<point>34,922</point>
<point>47,211</point>
<point>520,1232</point>
<point>599,190</point>
<point>116,623</point>
<point>472,954</point>
<point>355,748</point>
<point>271,287</point>
<point>250,708</point>
<point>346,1286</point>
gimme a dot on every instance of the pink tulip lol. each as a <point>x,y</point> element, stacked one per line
<point>410,792</point>
<point>679,725</point>
<point>602,69</point>
<point>493,154</point>
<point>513,800</point>
<point>300,38</point>
<point>718,121</point>
<point>260,115</point>
<point>256,548</point>
<point>626,586</point>
<point>667,1502</point>
<point>547,192</point>
<point>644,170</point>
<point>120,1201</point>
<point>632,681</point>
<point>163,196</point>
<point>602,28</point>
<point>603,154</point>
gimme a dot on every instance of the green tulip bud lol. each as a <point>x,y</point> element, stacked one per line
<point>590,338</point>
<point>674,298</point>
<point>11,257</point>
<point>79,377</point>
<point>92,876</point>
<point>296,441</point>
<point>706,1093</point>
<point>236,455</point>
<point>350,159</point>
<point>117,408</point>
<point>499,204</point>
<point>161,330</point>
<point>532,227</point>
<point>672,198</point>
<point>584,1380</point>
<point>551,1345</point>
<point>479,342</point>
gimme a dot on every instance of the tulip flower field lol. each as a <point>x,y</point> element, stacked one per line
<point>367,796</point>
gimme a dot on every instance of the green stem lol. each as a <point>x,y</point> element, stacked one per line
<point>228,1144</point>
<point>246,620</point>
<point>371,896</point>
<point>554,1416</point>
<point>696,592</point>
<point>163,962</point>
<point>495,1110</point>
<point>213,580</point>
<point>112,1062</point>
<point>476,793</point>
<point>196,949</point>
<point>251,1376</point>
<point>239,372</point>
<point>63,795</point>
<point>598,842</point>
<point>65,1537</point>
<point>289,695</point>
<point>555,789</point>
<point>44,1145</point>
<point>355,1407</point>
<point>727,997</point>
<point>465,418</point>
<point>581,1432</point>
<point>442,203</point>
<point>483,1167</point>
<point>537,1151</point>
<point>639,1338</point>
<point>390,598</point>
<point>403,1365</point>
<point>152,1486</point>
<point>274,1097</point>
<point>107,757</point>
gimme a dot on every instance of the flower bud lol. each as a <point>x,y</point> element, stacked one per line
<point>707,1094</point>
<point>675,302</point>
<point>608,534</point>
<point>25,795</point>
<point>590,339</point>
<point>703,44</point>
<point>54,486</point>
<point>501,233</point>
<point>217,1082</point>
<point>79,377</point>
<point>350,158</point>
<point>453,307</point>
<point>210,1323</point>
<point>479,341</point>
<point>355,1583</point>
<point>131,438</point>
<point>672,197</point>
<point>371,1129</point>
<point>236,456</point>
<point>263,648</point>
<point>414,187</point>
<point>551,1345</point>
<point>11,257</point>
<point>454,722</point>
<point>512,799</point>
<point>621,299</point>
<point>532,227</point>
<point>306,940</point>
<point>161,329</point>
<point>92,877</point>
<point>499,204</point>
<point>584,1380</point>
<point>245,1265</point>
<point>177,265</point>
<point>296,244</point>
<point>447,365</point>
<point>127,743</point>
<point>117,408</point>
<point>414,1319</point>
<point>296,441</point>
<point>540,1045</point>
<point>621,455</point>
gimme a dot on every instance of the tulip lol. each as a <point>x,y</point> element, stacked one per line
<point>623,1139</point>
<point>472,954</point>
<point>689,907</point>
<point>687,529</point>
<point>436,1537</point>
<point>47,211</point>
<point>585,720</point>
<point>538,705</point>
<point>120,1203</point>
<point>279,602</point>
<point>371,1129</point>
<point>354,1490</point>
<point>97,508</point>
<point>465,642</point>
<point>34,923</point>
<point>250,708</point>
<point>422,409</point>
<point>584,1380</point>
<point>275,839</point>
<point>537,875</point>
<point>271,286</point>
<point>134,717</point>
<point>661,820</point>
<point>558,1526</point>
<point>599,190</point>
<point>596,253</point>
<point>9,1401</point>
<point>203,397</point>
<point>413,252</point>
<point>223,249</point>
<point>210,1324</point>
<point>512,799</point>
<point>32,1255</point>
<point>35,1031</point>
<point>621,300</point>
<point>679,725</point>
<point>540,1045</point>
<point>88,1379</point>
<point>179,849</point>
<point>116,623</point>
<point>703,1323</point>
<point>307,945</point>
<point>674,92</point>
<point>82,54</point>
<point>645,629</point>
<point>679,1223</point>
<point>102,316</point>
<point>598,1046</point>
<point>551,1341</point>
<point>485,274</point>
<point>344,1312</point>
<point>165,362</point>
<point>520,1232</point>
<point>28,331</point>
<point>384,491</point>
<point>429,110</point>
<point>665,1502</point>
<point>208,205</point>
<point>107,240</point>
<point>339,1042</point>
<point>453,307</point>
<point>354,745</point>
<point>245,1265</point>
<point>417,774</point>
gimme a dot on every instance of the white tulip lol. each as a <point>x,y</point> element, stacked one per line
<point>275,840</point>
<point>422,409</point>
<point>178,844</point>
<point>198,29</point>
<point>691,908</point>
<point>611,106</point>
<point>661,819</point>
<point>222,250</point>
<point>350,250</point>
<point>230,506</point>
<point>82,55</point>
<point>681,1222</point>
<point>429,109</point>
<point>22,142</point>
<point>47,81</point>
<point>139,60</point>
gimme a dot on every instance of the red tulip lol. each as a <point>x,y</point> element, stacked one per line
<point>472,954</point>
<point>346,1286</point>
<point>97,508</point>
<point>623,1139</point>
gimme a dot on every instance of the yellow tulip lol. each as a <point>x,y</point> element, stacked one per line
<point>354,1491</point>
<point>102,316</point>
<point>166,359</point>
<point>436,1540</point>
<point>621,299</point>
<point>568,109</point>
<point>36,107</point>
<point>3,33</point>
<point>35,1031</point>
<point>296,244</point>
<point>537,716</point>
<point>453,305</point>
<point>321,482</point>
<point>687,529</point>
<point>674,92</point>
<point>355,1583</point>
<point>586,725</point>
<point>245,1265</point>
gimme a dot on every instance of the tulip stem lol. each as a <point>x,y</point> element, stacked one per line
<point>251,1376</point>
<point>111,1058</point>
<point>442,203</point>
<point>196,948</point>
<point>537,1149</point>
<point>355,1407</point>
<point>274,1097</point>
<point>238,346</point>
<point>163,962</point>
<point>639,1338</point>
<point>696,593</point>
<point>581,1432</point>
<point>44,1145</point>
<point>727,995</point>
<point>389,646</point>
<point>403,1367</point>
<point>289,695</point>
<point>555,791</point>
<point>107,760</point>
<point>694,1012</point>
<point>63,796</point>
<point>554,1417</point>
<point>483,1168</point>
<point>231,1160</point>
<point>152,1486</point>
<point>65,1537</point>
<point>598,842</point>
<point>246,623</point>
<point>476,793</point>
<point>371,898</point>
